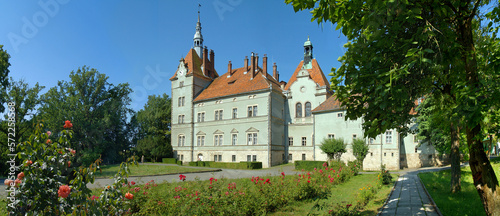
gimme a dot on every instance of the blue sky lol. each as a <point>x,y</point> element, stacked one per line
<point>141,42</point>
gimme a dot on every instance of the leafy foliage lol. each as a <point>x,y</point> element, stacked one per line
<point>154,128</point>
<point>333,148</point>
<point>97,108</point>
<point>360,149</point>
<point>4,74</point>
<point>25,100</point>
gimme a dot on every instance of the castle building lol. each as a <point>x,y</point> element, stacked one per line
<point>247,114</point>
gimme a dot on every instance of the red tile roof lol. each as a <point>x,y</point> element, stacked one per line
<point>315,73</point>
<point>330,104</point>
<point>237,83</point>
<point>194,63</point>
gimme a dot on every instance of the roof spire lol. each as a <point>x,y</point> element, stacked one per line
<point>198,38</point>
<point>308,54</point>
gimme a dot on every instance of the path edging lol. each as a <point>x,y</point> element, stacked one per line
<point>428,195</point>
<point>388,197</point>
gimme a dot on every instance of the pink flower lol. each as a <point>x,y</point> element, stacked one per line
<point>308,181</point>
<point>17,182</point>
<point>132,183</point>
<point>7,182</point>
<point>137,189</point>
<point>64,191</point>
<point>325,164</point>
<point>94,197</point>
<point>283,173</point>
<point>20,176</point>
<point>49,133</point>
<point>72,151</point>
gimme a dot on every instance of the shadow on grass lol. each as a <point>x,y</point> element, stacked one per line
<point>466,202</point>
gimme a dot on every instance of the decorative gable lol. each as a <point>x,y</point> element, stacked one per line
<point>218,132</point>
<point>234,130</point>
<point>252,129</point>
<point>201,133</point>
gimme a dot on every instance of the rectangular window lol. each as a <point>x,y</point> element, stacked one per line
<point>415,139</point>
<point>388,137</point>
<point>181,119</point>
<point>235,113</point>
<point>183,98</point>
<point>252,138</point>
<point>252,111</point>
<point>290,141</point>
<point>182,157</point>
<point>181,84</point>
<point>201,117</point>
<point>217,140</point>
<point>254,158</point>
<point>215,157</point>
<point>290,157</point>
<point>304,141</point>
<point>371,141</point>
<point>179,102</point>
<point>218,115</point>
<point>354,136</point>
<point>331,136</point>
<point>249,158</point>
<point>233,158</point>
<point>234,139</point>
<point>340,115</point>
<point>200,140</point>
<point>220,158</point>
<point>303,157</point>
<point>181,140</point>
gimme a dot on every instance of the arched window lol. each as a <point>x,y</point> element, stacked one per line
<point>298,110</point>
<point>308,109</point>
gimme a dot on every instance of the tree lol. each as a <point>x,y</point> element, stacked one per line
<point>360,150</point>
<point>98,110</point>
<point>333,148</point>
<point>438,126</point>
<point>399,51</point>
<point>4,74</point>
<point>25,99</point>
<point>154,128</point>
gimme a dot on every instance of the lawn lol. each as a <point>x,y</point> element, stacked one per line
<point>343,194</point>
<point>467,202</point>
<point>145,170</point>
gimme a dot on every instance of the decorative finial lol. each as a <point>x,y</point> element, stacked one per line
<point>307,35</point>
<point>199,5</point>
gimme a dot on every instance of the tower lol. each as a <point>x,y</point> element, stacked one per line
<point>198,38</point>
<point>308,54</point>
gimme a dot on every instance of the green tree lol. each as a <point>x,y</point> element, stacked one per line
<point>25,99</point>
<point>4,74</point>
<point>98,110</point>
<point>154,128</point>
<point>360,150</point>
<point>333,148</point>
<point>399,51</point>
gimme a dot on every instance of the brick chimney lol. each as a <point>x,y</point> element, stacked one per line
<point>212,56</point>
<point>252,65</point>
<point>205,63</point>
<point>256,62</point>
<point>246,63</point>
<point>275,72</point>
<point>230,68</point>
<point>264,65</point>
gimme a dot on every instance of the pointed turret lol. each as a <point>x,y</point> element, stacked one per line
<point>198,38</point>
<point>308,54</point>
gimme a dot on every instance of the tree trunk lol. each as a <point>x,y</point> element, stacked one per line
<point>455,160</point>
<point>485,181</point>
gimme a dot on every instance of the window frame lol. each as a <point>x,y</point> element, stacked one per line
<point>298,110</point>
<point>305,109</point>
<point>388,137</point>
<point>330,136</point>
<point>304,141</point>
<point>252,111</point>
<point>200,140</point>
<point>234,139</point>
<point>290,141</point>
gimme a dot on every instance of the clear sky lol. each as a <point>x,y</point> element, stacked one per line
<point>141,42</point>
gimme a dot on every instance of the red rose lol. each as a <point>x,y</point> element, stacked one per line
<point>67,124</point>
<point>129,196</point>
<point>64,191</point>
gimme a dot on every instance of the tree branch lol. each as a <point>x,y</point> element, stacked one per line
<point>476,6</point>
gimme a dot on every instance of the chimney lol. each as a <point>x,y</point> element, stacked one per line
<point>230,68</point>
<point>246,63</point>
<point>252,66</point>
<point>212,56</point>
<point>264,65</point>
<point>205,56</point>
<point>275,72</point>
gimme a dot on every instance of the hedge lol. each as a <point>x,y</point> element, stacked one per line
<point>228,165</point>
<point>308,165</point>
<point>179,163</point>
<point>169,160</point>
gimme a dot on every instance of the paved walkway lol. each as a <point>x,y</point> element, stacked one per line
<point>409,198</point>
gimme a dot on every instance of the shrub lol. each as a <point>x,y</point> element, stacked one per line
<point>353,167</point>
<point>193,163</point>
<point>360,150</point>
<point>169,160</point>
<point>229,165</point>
<point>45,189</point>
<point>308,165</point>
<point>333,148</point>
<point>179,163</point>
<point>384,176</point>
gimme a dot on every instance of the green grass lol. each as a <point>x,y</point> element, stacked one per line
<point>345,193</point>
<point>466,202</point>
<point>145,170</point>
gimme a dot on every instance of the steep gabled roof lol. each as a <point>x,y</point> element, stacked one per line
<point>239,82</point>
<point>315,73</point>
<point>328,105</point>
<point>194,63</point>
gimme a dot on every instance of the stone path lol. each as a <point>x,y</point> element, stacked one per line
<point>409,198</point>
